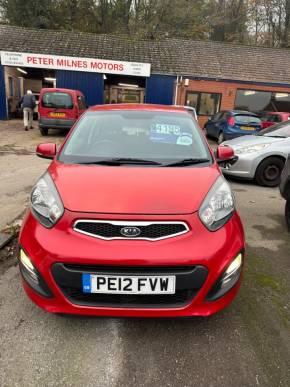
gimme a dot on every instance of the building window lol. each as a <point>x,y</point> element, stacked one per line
<point>11,88</point>
<point>205,104</point>
<point>255,101</point>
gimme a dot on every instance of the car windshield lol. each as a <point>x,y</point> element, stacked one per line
<point>279,130</point>
<point>152,137</point>
<point>57,100</point>
<point>246,119</point>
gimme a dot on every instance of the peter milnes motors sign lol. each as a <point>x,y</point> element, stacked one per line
<point>21,59</point>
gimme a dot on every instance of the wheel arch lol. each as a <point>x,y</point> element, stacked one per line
<point>278,156</point>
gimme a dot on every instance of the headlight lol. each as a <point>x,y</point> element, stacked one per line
<point>250,149</point>
<point>218,205</point>
<point>45,201</point>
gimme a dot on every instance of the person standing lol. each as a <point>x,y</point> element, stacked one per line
<point>28,104</point>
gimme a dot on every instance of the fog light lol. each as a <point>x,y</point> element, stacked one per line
<point>24,259</point>
<point>232,270</point>
<point>32,276</point>
<point>227,280</point>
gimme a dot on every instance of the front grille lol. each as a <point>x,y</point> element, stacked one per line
<point>179,299</point>
<point>110,230</point>
<point>189,279</point>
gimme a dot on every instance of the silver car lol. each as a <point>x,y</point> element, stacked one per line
<point>262,156</point>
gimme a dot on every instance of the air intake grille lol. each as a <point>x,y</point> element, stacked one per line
<point>189,280</point>
<point>142,230</point>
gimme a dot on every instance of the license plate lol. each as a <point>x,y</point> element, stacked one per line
<point>248,128</point>
<point>57,115</point>
<point>109,284</point>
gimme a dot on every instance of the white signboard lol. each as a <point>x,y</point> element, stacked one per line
<point>21,59</point>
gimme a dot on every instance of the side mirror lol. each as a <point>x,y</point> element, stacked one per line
<point>46,151</point>
<point>225,153</point>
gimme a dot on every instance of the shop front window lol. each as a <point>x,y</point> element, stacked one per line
<point>255,101</point>
<point>204,103</point>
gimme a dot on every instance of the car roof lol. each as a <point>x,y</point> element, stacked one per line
<point>277,113</point>
<point>60,89</point>
<point>242,112</point>
<point>185,107</point>
<point>138,107</point>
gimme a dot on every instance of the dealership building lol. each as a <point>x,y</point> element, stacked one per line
<point>209,76</point>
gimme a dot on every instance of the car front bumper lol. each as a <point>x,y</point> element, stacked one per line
<point>61,247</point>
<point>245,166</point>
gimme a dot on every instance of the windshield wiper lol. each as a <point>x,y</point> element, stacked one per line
<point>185,162</point>
<point>120,161</point>
<point>275,136</point>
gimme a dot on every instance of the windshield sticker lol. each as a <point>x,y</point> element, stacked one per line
<point>170,134</point>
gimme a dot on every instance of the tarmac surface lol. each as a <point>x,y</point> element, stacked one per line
<point>248,344</point>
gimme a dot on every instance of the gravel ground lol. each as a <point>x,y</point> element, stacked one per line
<point>248,344</point>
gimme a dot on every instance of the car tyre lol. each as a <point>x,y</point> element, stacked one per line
<point>287,213</point>
<point>269,171</point>
<point>221,138</point>
<point>43,131</point>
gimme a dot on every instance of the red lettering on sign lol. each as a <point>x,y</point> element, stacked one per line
<point>32,59</point>
<point>121,67</point>
<point>60,62</point>
<point>94,65</point>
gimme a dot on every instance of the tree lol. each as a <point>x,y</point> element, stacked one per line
<point>33,14</point>
<point>258,22</point>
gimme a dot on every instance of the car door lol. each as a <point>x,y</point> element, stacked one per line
<point>219,124</point>
<point>212,124</point>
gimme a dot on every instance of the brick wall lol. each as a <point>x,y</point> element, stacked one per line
<point>228,91</point>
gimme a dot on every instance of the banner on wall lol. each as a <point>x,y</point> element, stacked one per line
<point>57,62</point>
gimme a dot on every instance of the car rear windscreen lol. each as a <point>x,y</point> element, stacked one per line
<point>57,100</point>
<point>245,119</point>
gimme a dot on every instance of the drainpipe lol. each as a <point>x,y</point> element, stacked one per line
<point>176,90</point>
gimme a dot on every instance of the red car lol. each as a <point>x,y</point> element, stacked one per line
<point>132,218</point>
<point>271,118</point>
<point>59,108</point>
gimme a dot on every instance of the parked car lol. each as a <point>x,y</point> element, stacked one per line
<point>230,124</point>
<point>285,189</point>
<point>132,218</point>
<point>59,108</point>
<point>191,110</point>
<point>261,157</point>
<point>272,118</point>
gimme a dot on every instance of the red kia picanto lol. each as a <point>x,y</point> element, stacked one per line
<point>132,218</point>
